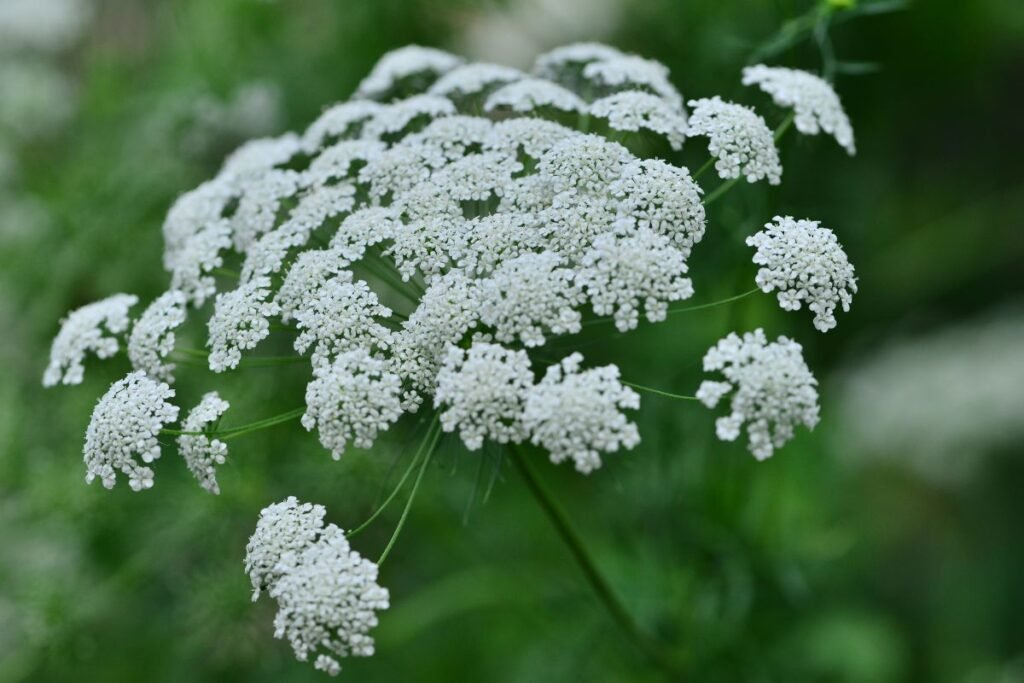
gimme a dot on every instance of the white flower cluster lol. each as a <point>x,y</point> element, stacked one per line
<point>82,332</point>
<point>774,390</point>
<point>327,594</point>
<point>806,263</point>
<point>152,337</point>
<point>125,425</point>
<point>203,454</point>
<point>489,392</point>
<point>577,415</point>
<point>815,104</point>
<point>738,138</point>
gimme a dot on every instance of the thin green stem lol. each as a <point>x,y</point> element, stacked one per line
<point>227,272</point>
<point>659,392</point>
<point>434,438</point>
<point>253,361</point>
<point>602,589</point>
<point>704,168</point>
<point>398,487</point>
<point>686,309</point>
<point>232,432</point>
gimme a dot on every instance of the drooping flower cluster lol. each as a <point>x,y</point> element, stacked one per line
<point>124,426</point>
<point>738,138</point>
<point>816,105</point>
<point>806,264</point>
<point>152,337</point>
<point>82,333</point>
<point>774,390</point>
<point>202,453</point>
<point>327,594</point>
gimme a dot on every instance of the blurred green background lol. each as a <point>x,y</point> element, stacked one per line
<point>884,546</point>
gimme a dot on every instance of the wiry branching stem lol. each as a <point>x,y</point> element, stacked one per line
<point>659,392</point>
<point>433,436</point>
<point>232,432</point>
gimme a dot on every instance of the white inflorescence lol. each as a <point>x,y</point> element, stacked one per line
<point>533,93</point>
<point>738,138</point>
<point>125,424</point>
<point>402,63</point>
<point>339,317</point>
<point>327,593</point>
<point>352,399</point>
<point>482,391</point>
<point>815,104</point>
<point>578,415</point>
<point>774,390</point>
<point>621,271</point>
<point>283,528</point>
<point>203,454</point>
<point>152,337</point>
<point>239,322</point>
<point>806,263</point>
<point>82,333</point>
<point>470,79</point>
<point>328,598</point>
<point>634,110</point>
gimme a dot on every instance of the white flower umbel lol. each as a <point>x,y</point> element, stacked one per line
<point>621,271</point>
<point>394,119</point>
<point>528,295</point>
<point>555,63</point>
<point>738,138</point>
<point>774,390</point>
<point>343,120</point>
<point>578,415</point>
<point>448,310</point>
<point>634,73</point>
<point>284,528</point>
<point>815,104</point>
<point>201,453</point>
<point>328,598</point>
<point>534,137</point>
<point>405,62</point>
<point>529,94</point>
<point>82,332</point>
<point>470,79</point>
<point>152,337</point>
<point>635,110</point>
<point>340,316</point>
<point>352,399</point>
<point>663,197</point>
<point>239,322</point>
<point>309,272</point>
<point>806,264</point>
<point>482,391</point>
<point>124,426</point>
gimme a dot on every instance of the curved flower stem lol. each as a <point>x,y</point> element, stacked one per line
<point>227,272</point>
<point>434,438</point>
<point>704,168</point>
<point>659,392</point>
<point>254,361</point>
<point>232,432</point>
<point>598,583</point>
<point>712,304</point>
<point>401,482</point>
<point>728,185</point>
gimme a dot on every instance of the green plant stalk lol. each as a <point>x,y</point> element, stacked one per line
<point>560,520</point>
<point>231,433</point>
<point>659,392</point>
<point>435,437</point>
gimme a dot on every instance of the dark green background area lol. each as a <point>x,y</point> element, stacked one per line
<point>797,569</point>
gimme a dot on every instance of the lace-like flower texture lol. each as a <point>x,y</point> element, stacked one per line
<point>806,263</point>
<point>774,390</point>
<point>327,593</point>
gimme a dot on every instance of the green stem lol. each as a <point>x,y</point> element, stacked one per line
<point>254,361</point>
<point>232,432</point>
<point>659,392</point>
<point>434,438</point>
<point>704,168</point>
<point>226,272</point>
<point>398,487</point>
<point>698,307</point>
<point>598,583</point>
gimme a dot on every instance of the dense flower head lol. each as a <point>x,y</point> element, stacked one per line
<point>124,426</point>
<point>576,415</point>
<point>482,391</point>
<point>470,79</point>
<point>806,264</point>
<point>239,322</point>
<point>152,338</point>
<point>774,390</point>
<point>82,332</point>
<point>405,62</point>
<point>202,453</point>
<point>815,103</point>
<point>351,399</point>
<point>635,110</point>
<point>328,598</point>
<point>738,138</point>
<point>283,528</point>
